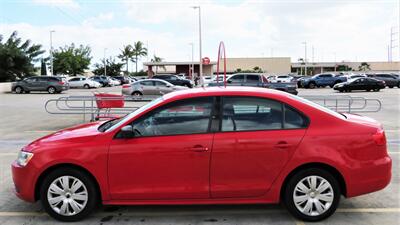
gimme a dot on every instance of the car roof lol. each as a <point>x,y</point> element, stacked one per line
<point>226,91</point>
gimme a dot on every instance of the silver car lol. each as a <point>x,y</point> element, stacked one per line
<point>150,87</point>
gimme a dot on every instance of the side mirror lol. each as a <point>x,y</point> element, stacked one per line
<point>228,81</point>
<point>126,132</point>
<point>168,85</point>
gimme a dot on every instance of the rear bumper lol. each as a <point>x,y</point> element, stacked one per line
<point>369,177</point>
<point>24,182</point>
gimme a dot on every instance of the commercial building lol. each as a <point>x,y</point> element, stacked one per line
<point>269,65</point>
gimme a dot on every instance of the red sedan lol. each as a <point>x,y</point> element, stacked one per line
<point>208,146</point>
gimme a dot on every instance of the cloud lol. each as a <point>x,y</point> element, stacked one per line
<point>99,19</point>
<point>58,3</point>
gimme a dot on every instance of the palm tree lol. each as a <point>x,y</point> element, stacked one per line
<point>157,59</point>
<point>138,51</point>
<point>126,55</point>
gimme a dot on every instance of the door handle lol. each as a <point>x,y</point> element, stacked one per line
<point>198,148</point>
<point>283,145</point>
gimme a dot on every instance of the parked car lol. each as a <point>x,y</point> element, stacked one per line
<point>51,84</point>
<point>175,80</point>
<point>362,83</point>
<point>123,79</point>
<point>390,79</point>
<point>208,146</point>
<point>255,80</point>
<point>284,79</point>
<point>83,82</point>
<point>150,87</point>
<point>322,80</point>
<point>102,80</point>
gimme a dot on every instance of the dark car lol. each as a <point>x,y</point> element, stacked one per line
<point>51,84</point>
<point>390,79</point>
<point>123,79</point>
<point>363,83</point>
<point>256,80</point>
<point>322,80</point>
<point>102,80</point>
<point>175,80</point>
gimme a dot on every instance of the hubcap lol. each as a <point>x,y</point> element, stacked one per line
<point>67,195</point>
<point>313,195</point>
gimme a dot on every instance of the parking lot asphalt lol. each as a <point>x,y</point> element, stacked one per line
<point>23,119</point>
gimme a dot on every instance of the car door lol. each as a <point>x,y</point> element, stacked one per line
<point>236,80</point>
<point>31,83</point>
<point>161,88</point>
<point>253,146</point>
<point>74,82</point>
<point>168,158</point>
<point>252,80</point>
<point>148,87</point>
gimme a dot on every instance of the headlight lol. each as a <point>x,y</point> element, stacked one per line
<point>24,158</point>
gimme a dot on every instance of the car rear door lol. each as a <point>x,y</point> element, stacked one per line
<point>253,80</point>
<point>169,156</point>
<point>253,146</point>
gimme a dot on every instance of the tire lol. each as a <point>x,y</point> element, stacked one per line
<point>391,86</point>
<point>340,90</point>
<point>86,86</point>
<point>310,196</point>
<point>368,90</point>
<point>137,94</point>
<point>189,85</point>
<point>312,85</point>
<point>51,90</point>
<point>19,90</point>
<point>86,190</point>
<point>398,85</point>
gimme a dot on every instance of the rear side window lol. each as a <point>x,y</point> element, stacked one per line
<point>146,83</point>
<point>253,78</point>
<point>294,119</point>
<point>247,113</point>
<point>237,78</point>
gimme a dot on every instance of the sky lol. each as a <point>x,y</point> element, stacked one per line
<point>333,30</point>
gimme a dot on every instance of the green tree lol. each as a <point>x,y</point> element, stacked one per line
<point>138,51</point>
<point>43,70</point>
<point>343,68</point>
<point>126,55</point>
<point>17,57</point>
<point>113,68</point>
<point>364,66</point>
<point>157,59</point>
<point>71,60</point>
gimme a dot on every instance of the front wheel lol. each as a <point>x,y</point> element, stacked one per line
<point>312,194</point>
<point>19,90</point>
<point>312,85</point>
<point>86,86</point>
<point>68,194</point>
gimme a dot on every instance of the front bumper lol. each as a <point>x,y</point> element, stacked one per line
<point>24,182</point>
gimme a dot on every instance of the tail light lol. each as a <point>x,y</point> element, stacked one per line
<point>61,82</point>
<point>126,86</point>
<point>379,137</point>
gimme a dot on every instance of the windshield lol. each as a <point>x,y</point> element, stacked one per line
<point>320,107</point>
<point>128,117</point>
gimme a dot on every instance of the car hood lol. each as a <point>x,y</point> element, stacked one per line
<point>77,133</point>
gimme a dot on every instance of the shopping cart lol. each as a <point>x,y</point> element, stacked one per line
<point>106,102</point>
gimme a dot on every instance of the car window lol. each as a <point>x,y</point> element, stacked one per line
<point>190,116</point>
<point>294,119</point>
<point>173,78</point>
<point>237,78</point>
<point>325,75</point>
<point>147,83</point>
<point>159,83</point>
<point>253,78</point>
<point>249,113</point>
<point>75,79</point>
<point>31,79</point>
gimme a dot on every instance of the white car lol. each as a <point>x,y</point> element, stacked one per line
<point>114,82</point>
<point>283,79</point>
<point>271,79</point>
<point>83,82</point>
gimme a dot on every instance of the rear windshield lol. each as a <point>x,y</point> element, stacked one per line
<point>319,107</point>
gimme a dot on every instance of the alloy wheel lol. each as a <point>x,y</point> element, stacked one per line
<point>67,195</point>
<point>313,195</point>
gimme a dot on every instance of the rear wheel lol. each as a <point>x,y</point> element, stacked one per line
<point>68,194</point>
<point>137,94</point>
<point>312,85</point>
<point>51,90</point>
<point>19,90</point>
<point>86,86</point>
<point>312,194</point>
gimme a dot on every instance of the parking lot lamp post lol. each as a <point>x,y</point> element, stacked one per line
<point>201,60</point>
<point>305,58</point>
<point>192,66</point>
<point>51,52</point>
<point>105,62</point>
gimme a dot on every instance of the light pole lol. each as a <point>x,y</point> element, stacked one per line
<point>192,66</point>
<point>305,58</point>
<point>51,52</point>
<point>105,62</point>
<point>201,58</point>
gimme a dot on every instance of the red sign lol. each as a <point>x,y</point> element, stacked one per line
<point>206,60</point>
